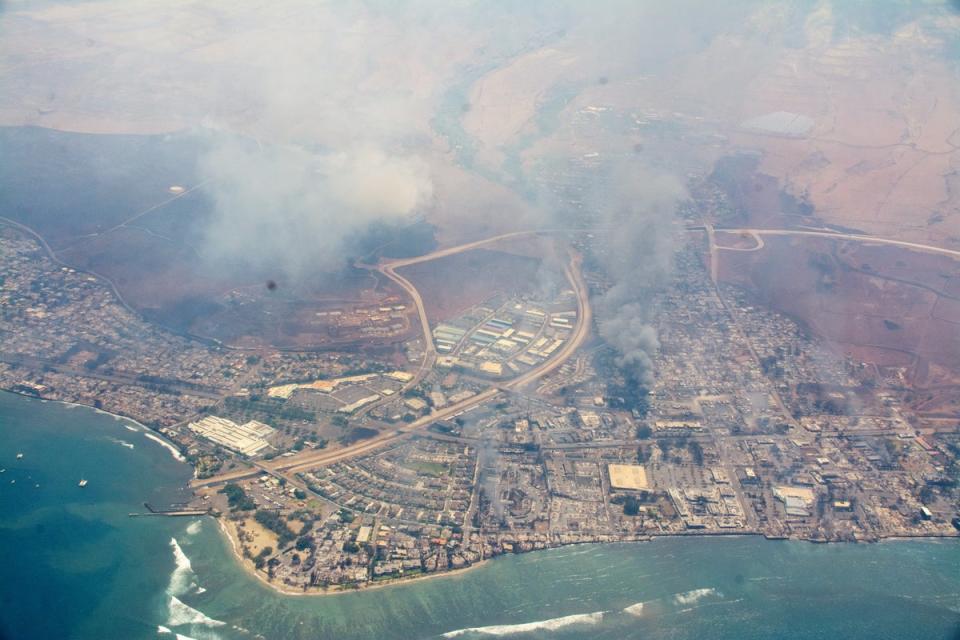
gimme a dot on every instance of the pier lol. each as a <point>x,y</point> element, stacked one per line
<point>175,511</point>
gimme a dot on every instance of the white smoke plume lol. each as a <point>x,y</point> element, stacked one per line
<point>288,208</point>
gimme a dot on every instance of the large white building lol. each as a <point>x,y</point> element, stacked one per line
<point>248,439</point>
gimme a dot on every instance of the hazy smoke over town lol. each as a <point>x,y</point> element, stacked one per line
<point>635,212</point>
<point>334,111</point>
<point>288,208</point>
<point>339,126</point>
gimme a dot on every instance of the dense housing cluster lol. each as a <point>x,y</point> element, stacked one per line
<point>331,470</point>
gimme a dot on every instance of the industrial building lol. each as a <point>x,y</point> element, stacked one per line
<point>248,439</point>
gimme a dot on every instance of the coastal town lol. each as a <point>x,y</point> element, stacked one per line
<point>507,427</point>
<point>632,320</point>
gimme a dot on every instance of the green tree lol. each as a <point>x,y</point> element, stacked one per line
<point>304,543</point>
<point>237,498</point>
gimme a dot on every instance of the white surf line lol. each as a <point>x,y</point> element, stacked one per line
<point>551,624</point>
<point>172,449</point>
<point>695,595</point>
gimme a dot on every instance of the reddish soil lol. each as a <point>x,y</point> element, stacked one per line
<point>757,199</point>
<point>735,240</point>
<point>455,283</point>
<point>888,306</point>
<point>171,285</point>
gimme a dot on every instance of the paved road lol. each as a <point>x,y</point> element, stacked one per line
<point>312,459</point>
<point>406,431</point>
<point>388,268</point>
<point>757,233</point>
<point>757,238</point>
<point>443,253</point>
<point>430,349</point>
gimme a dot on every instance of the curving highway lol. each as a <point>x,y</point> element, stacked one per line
<point>286,467</point>
<point>757,233</point>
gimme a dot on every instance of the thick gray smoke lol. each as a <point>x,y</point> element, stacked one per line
<point>635,210</point>
<point>371,94</point>
<point>635,341</point>
<point>287,208</point>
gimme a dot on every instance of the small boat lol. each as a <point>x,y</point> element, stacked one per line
<point>19,456</point>
<point>82,483</point>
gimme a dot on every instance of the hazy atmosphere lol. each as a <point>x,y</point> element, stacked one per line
<point>533,319</point>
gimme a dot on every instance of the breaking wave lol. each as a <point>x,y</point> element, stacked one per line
<point>179,636</point>
<point>634,609</point>
<point>181,580</point>
<point>695,596</point>
<point>194,527</point>
<point>122,443</point>
<point>542,625</point>
<point>183,614</point>
<point>172,449</point>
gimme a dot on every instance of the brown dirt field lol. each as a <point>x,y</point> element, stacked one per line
<point>171,285</point>
<point>148,271</point>
<point>758,196</point>
<point>880,155</point>
<point>455,283</point>
<point>254,317</point>
<point>879,356</point>
<point>255,537</point>
<point>735,240</point>
<point>941,402</point>
<point>891,313</point>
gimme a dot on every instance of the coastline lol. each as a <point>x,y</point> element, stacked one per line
<point>228,530</point>
<point>148,433</point>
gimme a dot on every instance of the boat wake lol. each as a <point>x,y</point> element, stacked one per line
<point>551,624</point>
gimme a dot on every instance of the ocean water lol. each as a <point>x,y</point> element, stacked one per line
<point>76,566</point>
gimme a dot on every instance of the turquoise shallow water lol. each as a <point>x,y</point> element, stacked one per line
<point>76,566</point>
